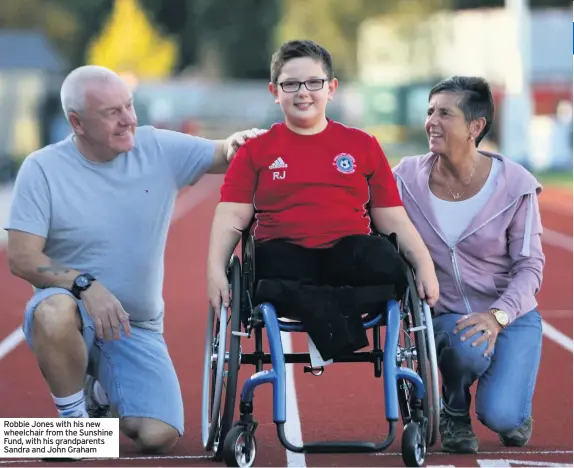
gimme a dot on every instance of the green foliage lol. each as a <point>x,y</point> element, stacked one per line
<point>244,32</point>
<point>335,24</point>
<point>238,36</point>
<point>234,37</point>
<point>88,16</point>
<point>175,17</point>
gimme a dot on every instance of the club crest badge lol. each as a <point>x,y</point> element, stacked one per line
<point>345,163</point>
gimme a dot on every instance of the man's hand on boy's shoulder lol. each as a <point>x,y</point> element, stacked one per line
<point>238,139</point>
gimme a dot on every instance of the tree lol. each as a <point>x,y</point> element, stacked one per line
<point>335,23</point>
<point>175,18</point>
<point>220,37</point>
<point>130,43</point>
<point>239,33</point>
<point>86,19</point>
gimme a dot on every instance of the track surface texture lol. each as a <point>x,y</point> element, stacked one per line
<point>346,402</point>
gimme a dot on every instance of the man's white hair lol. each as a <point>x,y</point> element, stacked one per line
<point>73,91</point>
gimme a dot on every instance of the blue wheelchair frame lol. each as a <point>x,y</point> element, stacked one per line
<point>276,376</point>
<point>404,389</point>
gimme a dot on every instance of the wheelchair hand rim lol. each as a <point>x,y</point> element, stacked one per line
<point>434,372</point>
<point>210,423</point>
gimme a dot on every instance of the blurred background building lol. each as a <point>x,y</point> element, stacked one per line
<point>202,66</point>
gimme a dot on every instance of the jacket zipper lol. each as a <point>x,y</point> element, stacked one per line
<point>453,254</point>
<point>452,248</point>
<point>459,279</point>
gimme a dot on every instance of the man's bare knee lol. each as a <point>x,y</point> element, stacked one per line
<point>55,317</point>
<point>59,345</point>
<point>150,435</point>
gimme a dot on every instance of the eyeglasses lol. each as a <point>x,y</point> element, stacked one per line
<point>312,85</point>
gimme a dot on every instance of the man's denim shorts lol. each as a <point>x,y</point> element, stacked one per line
<point>137,373</point>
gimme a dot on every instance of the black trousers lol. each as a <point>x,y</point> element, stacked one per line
<point>330,289</point>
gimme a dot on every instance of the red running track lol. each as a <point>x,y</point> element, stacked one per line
<point>346,402</point>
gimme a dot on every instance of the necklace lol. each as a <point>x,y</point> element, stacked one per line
<point>458,195</point>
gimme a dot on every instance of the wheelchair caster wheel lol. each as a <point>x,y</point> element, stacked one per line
<point>239,447</point>
<point>413,445</point>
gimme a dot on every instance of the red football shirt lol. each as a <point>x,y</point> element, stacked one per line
<point>311,189</point>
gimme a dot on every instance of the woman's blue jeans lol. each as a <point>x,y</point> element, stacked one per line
<point>506,379</point>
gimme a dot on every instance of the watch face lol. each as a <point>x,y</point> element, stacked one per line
<point>501,317</point>
<point>82,282</point>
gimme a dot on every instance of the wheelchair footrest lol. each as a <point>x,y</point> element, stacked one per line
<point>337,446</point>
<point>340,447</point>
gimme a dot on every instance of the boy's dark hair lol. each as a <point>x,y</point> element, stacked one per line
<point>476,100</point>
<point>295,49</point>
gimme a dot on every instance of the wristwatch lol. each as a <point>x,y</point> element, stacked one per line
<point>82,282</point>
<point>500,316</point>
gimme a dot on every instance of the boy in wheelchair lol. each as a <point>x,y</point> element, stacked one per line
<point>311,189</point>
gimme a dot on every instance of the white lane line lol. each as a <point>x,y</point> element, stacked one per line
<point>557,239</point>
<point>563,241</point>
<point>11,341</point>
<point>293,423</point>
<point>160,457</point>
<point>508,463</point>
<point>382,454</point>
<point>495,452</point>
<point>557,336</point>
<point>205,457</point>
<point>560,313</point>
<point>187,199</point>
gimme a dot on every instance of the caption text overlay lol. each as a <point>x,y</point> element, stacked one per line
<point>59,438</point>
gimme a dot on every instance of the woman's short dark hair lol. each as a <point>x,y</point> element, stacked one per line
<point>476,99</point>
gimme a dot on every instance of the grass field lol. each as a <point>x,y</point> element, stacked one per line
<point>555,179</point>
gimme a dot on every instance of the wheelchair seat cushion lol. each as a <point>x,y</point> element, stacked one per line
<point>332,315</point>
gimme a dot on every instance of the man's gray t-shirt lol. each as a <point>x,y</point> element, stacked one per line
<point>111,219</point>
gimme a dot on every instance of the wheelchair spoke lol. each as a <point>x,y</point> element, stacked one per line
<point>414,354</point>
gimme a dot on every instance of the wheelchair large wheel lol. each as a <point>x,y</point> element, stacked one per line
<point>433,367</point>
<point>417,351</point>
<point>221,367</point>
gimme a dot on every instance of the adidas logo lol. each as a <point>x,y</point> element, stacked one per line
<point>278,164</point>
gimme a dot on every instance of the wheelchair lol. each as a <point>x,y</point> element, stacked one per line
<point>407,363</point>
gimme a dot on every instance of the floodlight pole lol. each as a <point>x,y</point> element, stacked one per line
<point>517,106</point>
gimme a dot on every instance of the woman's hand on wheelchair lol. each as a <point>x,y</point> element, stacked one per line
<point>427,285</point>
<point>218,289</point>
<point>479,322</point>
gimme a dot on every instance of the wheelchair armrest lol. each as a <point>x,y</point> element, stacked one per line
<point>394,240</point>
<point>392,237</point>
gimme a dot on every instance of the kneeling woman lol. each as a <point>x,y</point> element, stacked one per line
<point>478,214</point>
